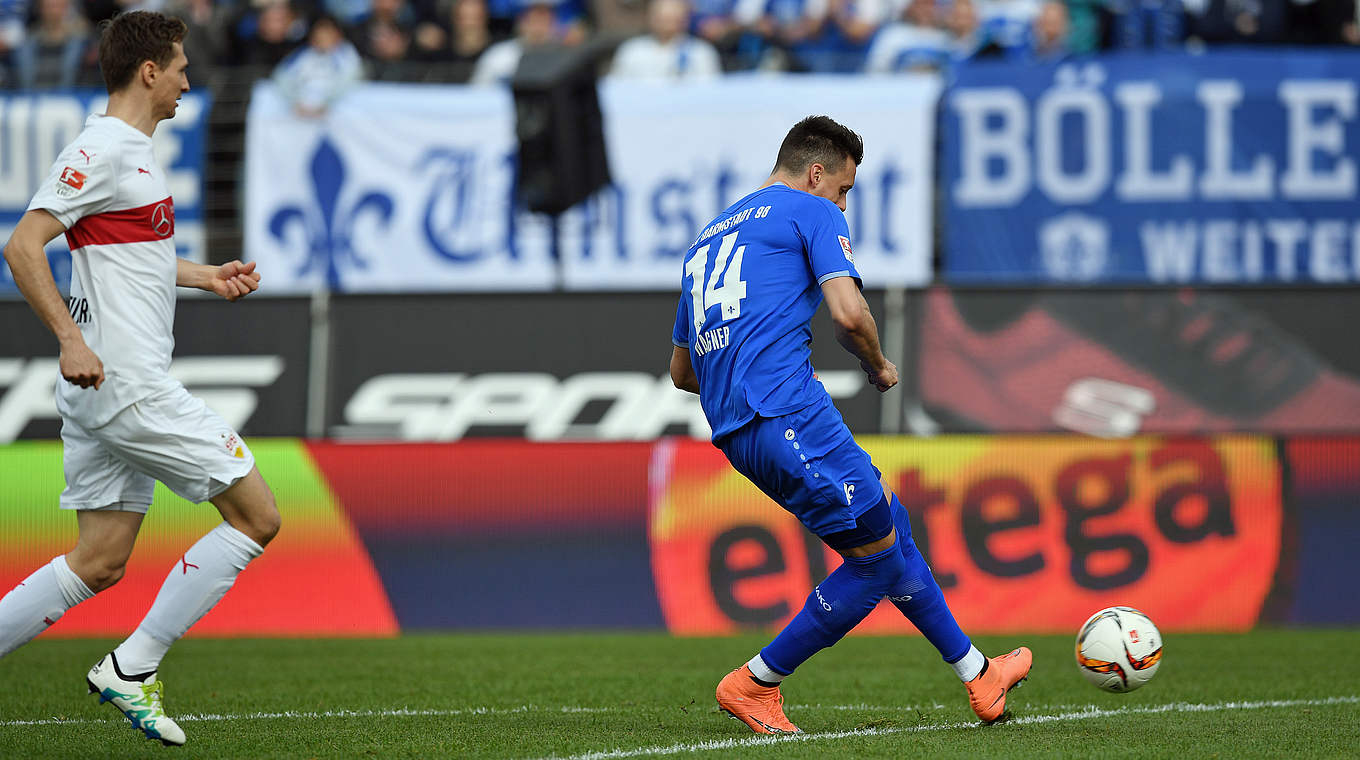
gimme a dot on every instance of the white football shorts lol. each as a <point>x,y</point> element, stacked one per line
<point>169,436</point>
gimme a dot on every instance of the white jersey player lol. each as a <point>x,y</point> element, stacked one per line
<point>126,422</point>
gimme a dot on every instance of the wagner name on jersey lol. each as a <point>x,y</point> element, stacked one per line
<point>751,284</point>
<point>112,197</point>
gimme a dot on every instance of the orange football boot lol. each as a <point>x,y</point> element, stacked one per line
<point>987,692</point>
<point>760,707</point>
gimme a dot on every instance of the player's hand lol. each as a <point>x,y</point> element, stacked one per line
<point>884,378</point>
<point>80,366</point>
<point>235,280</point>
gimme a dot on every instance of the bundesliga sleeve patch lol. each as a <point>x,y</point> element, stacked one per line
<point>70,182</point>
<point>845,248</point>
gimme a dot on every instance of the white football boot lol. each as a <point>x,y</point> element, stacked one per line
<point>140,700</point>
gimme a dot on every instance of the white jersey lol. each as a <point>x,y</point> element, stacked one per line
<point>108,191</point>
<point>684,57</point>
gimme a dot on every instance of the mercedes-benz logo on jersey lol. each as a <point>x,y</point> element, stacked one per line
<point>162,220</point>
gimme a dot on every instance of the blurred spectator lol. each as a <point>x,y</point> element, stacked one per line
<point>1241,21</point>
<point>1149,24</point>
<point>1048,41</point>
<point>712,20</point>
<point>265,34</point>
<point>384,35</point>
<point>619,18</point>
<point>568,18</point>
<point>12,16</point>
<point>785,28</point>
<point>318,73</point>
<point>53,51</point>
<point>535,27</point>
<point>348,12</point>
<point>844,33</point>
<point>466,37</point>
<point>964,29</point>
<point>913,43</point>
<point>1007,24</point>
<point>205,41</point>
<point>1086,22</point>
<point>667,51</point>
<point>715,22</point>
<point>1323,22</point>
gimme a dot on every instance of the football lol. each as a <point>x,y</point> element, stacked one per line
<point>1119,649</point>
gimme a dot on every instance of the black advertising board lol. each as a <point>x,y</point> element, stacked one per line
<point>247,360</point>
<point>574,366</point>
<point>549,367</point>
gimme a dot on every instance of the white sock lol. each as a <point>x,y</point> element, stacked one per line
<point>762,671</point>
<point>38,602</point>
<point>971,664</point>
<point>193,587</point>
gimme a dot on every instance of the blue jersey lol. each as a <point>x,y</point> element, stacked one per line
<point>752,281</point>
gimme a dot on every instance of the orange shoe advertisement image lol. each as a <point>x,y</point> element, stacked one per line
<point>1121,362</point>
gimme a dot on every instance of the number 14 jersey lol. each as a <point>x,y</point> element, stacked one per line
<point>751,284</point>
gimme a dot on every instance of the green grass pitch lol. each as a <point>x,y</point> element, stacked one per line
<point>1271,693</point>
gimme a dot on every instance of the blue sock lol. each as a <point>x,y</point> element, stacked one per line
<point>918,596</point>
<point>835,606</point>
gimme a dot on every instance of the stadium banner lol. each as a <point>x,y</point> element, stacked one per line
<point>681,154</point>
<point>1319,559</point>
<point>1116,363</point>
<point>402,188</point>
<point>1232,167</point>
<point>315,579</point>
<point>1023,534</point>
<point>247,360</point>
<point>560,366</point>
<point>502,533</point>
<point>36,126</point>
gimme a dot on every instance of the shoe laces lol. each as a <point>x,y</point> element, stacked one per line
<point>152,696</point>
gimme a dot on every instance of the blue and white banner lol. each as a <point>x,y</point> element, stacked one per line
<point>397,188</point>
<point>1226,168</point>
<point>34,127</point>
<point>410,188</point>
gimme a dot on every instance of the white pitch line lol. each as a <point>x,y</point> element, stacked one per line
<point>1088,712</point>
<point>314,714</point>
<point>409,712</point>
<point>1069,712</point>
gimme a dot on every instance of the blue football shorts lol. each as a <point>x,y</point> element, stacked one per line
<point>809,463</point>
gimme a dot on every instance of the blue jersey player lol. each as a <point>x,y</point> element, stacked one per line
<point>752,281</point>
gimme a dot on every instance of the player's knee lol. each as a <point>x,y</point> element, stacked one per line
<point>892,567</point>
<point>264,524</point>
<point>102,574</point>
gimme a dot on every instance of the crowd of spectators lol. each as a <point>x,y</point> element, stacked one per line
<point>318,47</point>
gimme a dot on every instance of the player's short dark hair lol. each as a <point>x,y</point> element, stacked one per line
<point>819,140</point>
<point>130,39</point>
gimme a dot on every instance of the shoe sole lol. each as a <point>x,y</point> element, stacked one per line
<point>102,699</point>
<point>768,729</point>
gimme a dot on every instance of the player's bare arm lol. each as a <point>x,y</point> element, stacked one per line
<point>28,263</point>
<point>682,371</point>
<point>232,280</point>
<point>857,332</point>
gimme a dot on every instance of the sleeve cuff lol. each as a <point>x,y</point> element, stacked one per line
<point>841,273</point>
<point>60,215</point>
<point>679,344</point>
